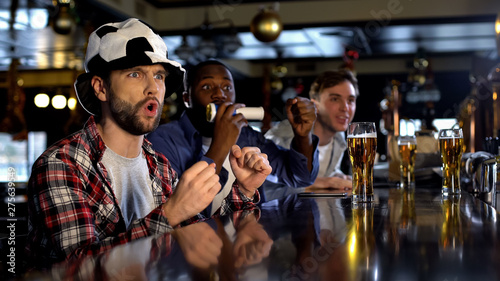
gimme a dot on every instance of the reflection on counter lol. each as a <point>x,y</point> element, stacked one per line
<point>451,241</point>
<point>362,255</point>
<point>407,234</point>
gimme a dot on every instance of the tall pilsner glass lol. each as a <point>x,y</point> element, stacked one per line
<point>362,145</point>
<point>451,145</point>
<point>408,152</point>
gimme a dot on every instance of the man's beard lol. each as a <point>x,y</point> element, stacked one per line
<point>126,114</point>
<point>198,116</point>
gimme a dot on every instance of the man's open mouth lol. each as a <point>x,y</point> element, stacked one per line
<point>151,107</point>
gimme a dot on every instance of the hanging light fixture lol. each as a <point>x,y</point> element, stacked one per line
<point>232,42</point>
<point>184,51</point>
<point>207,47</point>
<point>63,21</point>
<point>266,26</point>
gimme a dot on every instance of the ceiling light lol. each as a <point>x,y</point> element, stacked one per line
<point>63,22</point>
<point>266,26</point>
<point>279,70</point>
<point>39,18</point>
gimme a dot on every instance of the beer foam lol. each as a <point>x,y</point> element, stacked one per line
<point>450,138</point>
<point>365,135</point>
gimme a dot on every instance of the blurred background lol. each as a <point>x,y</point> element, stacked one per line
<point>421,66</point>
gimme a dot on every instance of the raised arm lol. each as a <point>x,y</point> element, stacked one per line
<point>301,113</point>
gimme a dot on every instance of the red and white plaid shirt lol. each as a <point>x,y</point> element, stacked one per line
<point>73,211</point>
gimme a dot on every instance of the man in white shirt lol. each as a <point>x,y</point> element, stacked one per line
<point>335,94</point>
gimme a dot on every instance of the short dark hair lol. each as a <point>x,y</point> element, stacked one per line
<point>193,72</point>
<point>331,78</point>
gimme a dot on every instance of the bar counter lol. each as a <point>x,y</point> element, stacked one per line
<point>406,234</point>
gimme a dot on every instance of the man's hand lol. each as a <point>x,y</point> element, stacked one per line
<point>227,128</point>
<point>201,251</point>
<point>337,183</point>
<point>250,167</point>
<point>301,113</point>
<point>196,189</point>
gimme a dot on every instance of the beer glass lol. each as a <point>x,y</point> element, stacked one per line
<point>451,145</point>
<point>407,152</point>
<point>362,146</point>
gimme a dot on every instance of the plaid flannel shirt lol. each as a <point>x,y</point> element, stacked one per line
<point>72,208</point>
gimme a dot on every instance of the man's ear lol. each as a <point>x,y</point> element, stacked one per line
<point>186,97</point>
<point>99,89</point>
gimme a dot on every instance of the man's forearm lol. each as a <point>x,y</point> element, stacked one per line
<point>305,146</point>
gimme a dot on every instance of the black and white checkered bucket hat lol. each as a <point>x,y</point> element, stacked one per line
<point>123,45</point>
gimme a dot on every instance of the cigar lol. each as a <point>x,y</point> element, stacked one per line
<point>250,113</point>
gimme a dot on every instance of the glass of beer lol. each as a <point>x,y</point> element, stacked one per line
<point>362,146</point>
<point>451,145</point>
<point>407,152</point>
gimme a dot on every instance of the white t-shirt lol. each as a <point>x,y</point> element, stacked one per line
<point>325,155</point>
<point>131,184</point>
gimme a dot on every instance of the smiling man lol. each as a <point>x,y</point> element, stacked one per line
<point>335,94</point>
<point>105,185</point>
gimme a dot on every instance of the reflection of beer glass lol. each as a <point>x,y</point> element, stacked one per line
<point>408,152</point>
<point>362,143</point>
<point>452,231</point>
<point>362,253</point>
<point>402,207</point>
<point>451,145</point>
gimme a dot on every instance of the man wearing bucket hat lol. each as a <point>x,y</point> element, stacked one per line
<point>105,185</point>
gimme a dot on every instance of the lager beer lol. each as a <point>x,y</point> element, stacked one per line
<point>451,146</point>
<point>362,150</point>
<point>408,153</point>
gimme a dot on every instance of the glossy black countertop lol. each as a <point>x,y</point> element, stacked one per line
<point>406,234</point>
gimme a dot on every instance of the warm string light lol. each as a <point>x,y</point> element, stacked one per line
<point>42,100</point>
<point>72,103</point>
<point>58,101</point>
